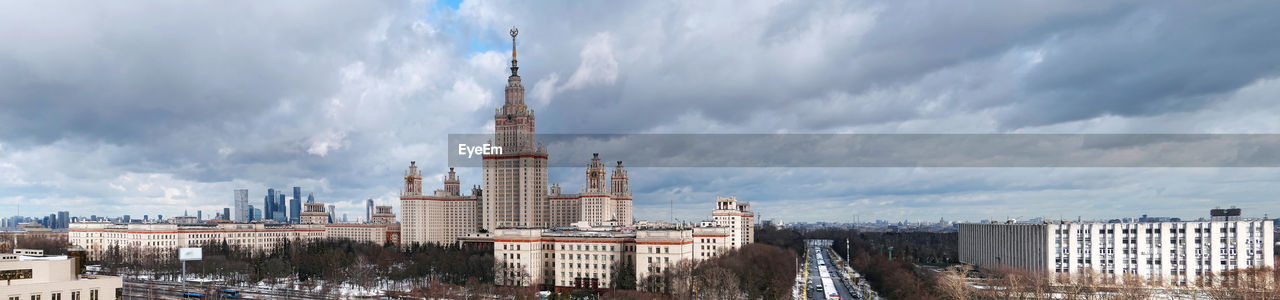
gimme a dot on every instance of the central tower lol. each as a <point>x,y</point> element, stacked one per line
<point>515,181</point>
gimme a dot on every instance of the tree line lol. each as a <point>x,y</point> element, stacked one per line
<point>323,265</point>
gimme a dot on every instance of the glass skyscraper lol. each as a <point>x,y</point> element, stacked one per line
<point>281,210</point>
<point>242,206</point>
<point>269,204</point>
<point>295,206</point>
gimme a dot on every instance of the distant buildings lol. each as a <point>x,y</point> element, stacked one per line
<point>269,205</point>
<point>368,210</point>
<point>295,205</point>
<point>331,208</point>
<point>242,206</point>
<point>64,219</point>
<point>1175,252</point>
<point>98,237</point>
<point>282,209</point>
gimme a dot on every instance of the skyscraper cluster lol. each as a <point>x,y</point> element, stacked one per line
<point>276,206</point>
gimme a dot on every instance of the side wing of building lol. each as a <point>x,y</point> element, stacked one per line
<point>1023,246</point>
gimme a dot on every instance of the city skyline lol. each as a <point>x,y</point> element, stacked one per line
<point>383,84</point>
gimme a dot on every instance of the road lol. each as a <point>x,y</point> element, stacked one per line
<point>137,289</point>
<point>846,289</point>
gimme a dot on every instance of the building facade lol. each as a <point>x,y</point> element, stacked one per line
<point>587,256</point>
<point>31,275</point>
<point>1174,252</point>
<point>438,218</point>
<point>314,213</point>
<point>737,216</point>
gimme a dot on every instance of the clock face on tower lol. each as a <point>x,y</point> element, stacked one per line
<point>595,175</point>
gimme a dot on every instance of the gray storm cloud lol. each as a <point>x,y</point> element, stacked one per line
<point>150,106</point>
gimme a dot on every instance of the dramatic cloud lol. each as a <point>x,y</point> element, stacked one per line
<point>155,107</point>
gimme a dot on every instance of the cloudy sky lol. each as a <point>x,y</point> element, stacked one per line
<point>156,107</point>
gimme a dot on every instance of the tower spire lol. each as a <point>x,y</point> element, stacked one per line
<point>514,67</point>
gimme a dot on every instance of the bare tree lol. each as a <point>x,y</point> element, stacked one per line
<point>1131,287</point>
<point>718,283</point>
<point>952,284</point>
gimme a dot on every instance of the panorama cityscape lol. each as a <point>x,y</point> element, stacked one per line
<point>686,150</point>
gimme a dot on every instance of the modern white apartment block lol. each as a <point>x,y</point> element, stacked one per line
<point>586,256</point>
<point>35,276</point>
<point>1174,252</point>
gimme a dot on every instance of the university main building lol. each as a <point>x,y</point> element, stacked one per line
<point>541,235</point>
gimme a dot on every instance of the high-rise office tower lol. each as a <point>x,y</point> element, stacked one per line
<point>252,216</point>
<point>311,197</point>
<point>295,206</point>
<point>226,213</point>
<point>242,206</point>
<point>515,181</point>
<point>368,211</point>
<point>199,215</point>
<point>64,219</point>
<point>330,213</point>
<point>282,209</point>
<point>269,205</point>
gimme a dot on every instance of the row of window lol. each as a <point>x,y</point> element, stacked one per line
<point>75,295</point>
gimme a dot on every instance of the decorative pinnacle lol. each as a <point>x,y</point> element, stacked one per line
<point>514,68</point>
